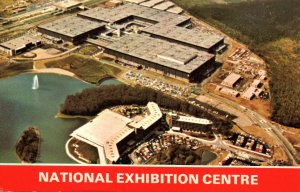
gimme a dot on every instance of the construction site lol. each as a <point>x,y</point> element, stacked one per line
<point>244,76</point>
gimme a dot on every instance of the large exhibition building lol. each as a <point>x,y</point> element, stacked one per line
<point>138,35</point>
<point>111,132</point>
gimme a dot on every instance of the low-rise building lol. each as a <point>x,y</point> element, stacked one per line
<point>256,83</point>
<point>67,5</point>
<point>115,2</point>
<point>228,91</point>
<point>231,80</point>
<point>20,45</point>
<point>263,77</point>
<point>262,72</point>
<point>175,10</point>
<point>188,123</point>
<point>164,5</point>
<point>249,93</point>
<point>143,127</point>
<point>151,3</point>
<point>72,28</point>
<point>258,92</point>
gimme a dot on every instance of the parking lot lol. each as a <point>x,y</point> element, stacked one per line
<point>147,150</point>
<point>156,84</point>
<point>250,143</point>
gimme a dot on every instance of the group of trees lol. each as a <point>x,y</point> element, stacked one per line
<point>93,100</point>
<point>27,148</point>
<point>253,22</point>
<point>178,155</point>
<point>271,28</point>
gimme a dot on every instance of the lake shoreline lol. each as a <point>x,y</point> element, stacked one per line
<point>64,116</point>
<point>37,108</point>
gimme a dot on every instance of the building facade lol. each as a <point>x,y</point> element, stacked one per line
<point>20,45</point>
<point>188,123</point>
<point>111,132</point>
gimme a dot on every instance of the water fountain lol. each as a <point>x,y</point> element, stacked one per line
<point>35,83</point>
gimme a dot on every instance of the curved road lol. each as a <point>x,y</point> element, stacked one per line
<point>263,123</point>
<point>223,145</point>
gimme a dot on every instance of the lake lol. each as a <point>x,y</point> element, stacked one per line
<point>22,107</point>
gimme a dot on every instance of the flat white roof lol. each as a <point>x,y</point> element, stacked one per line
<point>189,119</point>
<point>200,36</point>
<point>19,42</point>
<point>111,149</point>
<point>256,82</point>
<point>262,72</point>
<point>67,4</point>
<point>227,90</point>
<point>72,26</point>
<point>249,93</point>
<point>231,79</point>
<point>176,128</point>
<point>151,3</point>
<point>164,53</point>
<point>194,120</point>
<point>176,10</point>
<point>118,13</point>
<point>164,23</point>
<point>109,128</point>
<point>102,128</point>
<point>164,5</point>
<point>154,115</point>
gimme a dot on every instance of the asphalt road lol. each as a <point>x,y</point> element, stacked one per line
<point>218,142</point>
<point>265,124</point>
<point>259,120</point>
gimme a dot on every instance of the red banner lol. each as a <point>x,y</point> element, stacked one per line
<point>146,178</point>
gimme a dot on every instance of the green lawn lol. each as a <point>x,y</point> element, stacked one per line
<point>88,69</point>
<point>15,68</point>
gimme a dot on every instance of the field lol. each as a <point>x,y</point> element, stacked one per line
<point>271,28</point>
<point>87,69</point>
<point>7,70</point>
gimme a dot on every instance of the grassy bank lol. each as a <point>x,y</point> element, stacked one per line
<point>87,69</point>
<point>271,28</point>
<point>64,116</point>
<point>15,69</point>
